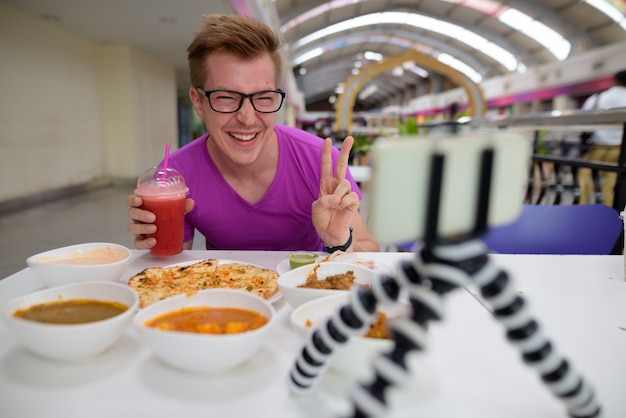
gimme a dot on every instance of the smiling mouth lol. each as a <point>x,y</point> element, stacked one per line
<point>243,137</point>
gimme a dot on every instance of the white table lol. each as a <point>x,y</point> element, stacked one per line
<point>469,369</point>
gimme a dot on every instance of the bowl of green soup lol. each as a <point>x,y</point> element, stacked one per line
<point>71,322</point>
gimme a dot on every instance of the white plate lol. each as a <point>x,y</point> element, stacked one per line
<point>275,296</point>
<point>283,266</point>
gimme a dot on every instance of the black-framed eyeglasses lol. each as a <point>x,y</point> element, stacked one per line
<point>230,101</point>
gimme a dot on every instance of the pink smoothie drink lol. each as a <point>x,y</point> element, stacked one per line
<point>163,193</point>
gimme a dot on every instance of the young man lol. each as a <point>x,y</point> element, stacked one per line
<point>605,143</point>
<point>255,185</point>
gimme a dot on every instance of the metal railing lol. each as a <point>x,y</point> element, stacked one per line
<point>574,121</point>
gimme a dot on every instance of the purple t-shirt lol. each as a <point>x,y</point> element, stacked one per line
<point>280,221</point>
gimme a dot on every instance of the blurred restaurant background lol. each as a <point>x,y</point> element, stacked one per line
<point>92,91</point>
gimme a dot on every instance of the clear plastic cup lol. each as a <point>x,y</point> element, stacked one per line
<point>163,193</point>
<point>301,259</point>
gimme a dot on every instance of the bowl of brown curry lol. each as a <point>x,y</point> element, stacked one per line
<point>317,280</point>
<point>71,322</point>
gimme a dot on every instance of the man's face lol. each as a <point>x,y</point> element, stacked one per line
<point>239,136</point>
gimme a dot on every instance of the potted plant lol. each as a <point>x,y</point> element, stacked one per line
<point>409,127</point>
<point>360,148</point>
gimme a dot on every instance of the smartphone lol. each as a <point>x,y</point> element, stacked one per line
<point>401,175</point>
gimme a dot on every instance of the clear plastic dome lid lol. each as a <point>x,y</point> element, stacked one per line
<point>159,181</point>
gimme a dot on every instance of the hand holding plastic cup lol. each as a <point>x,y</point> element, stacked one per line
<point>163,191</point>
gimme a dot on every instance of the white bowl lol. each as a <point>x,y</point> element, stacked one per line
<point>205,352</point>
<point>354,357</point>
<point>288,282</point>
<point>73,341</point>
<point>48,267</point>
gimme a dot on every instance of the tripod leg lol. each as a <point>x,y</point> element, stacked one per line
<point>444,268</point>
<point>434,272</point>
<point>523,331</point>
<point>428,278</point>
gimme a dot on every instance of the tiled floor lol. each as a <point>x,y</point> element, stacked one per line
<point>97,215</point>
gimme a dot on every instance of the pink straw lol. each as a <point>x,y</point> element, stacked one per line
<point>165,161</point>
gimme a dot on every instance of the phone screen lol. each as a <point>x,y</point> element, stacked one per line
<point>401,170</point>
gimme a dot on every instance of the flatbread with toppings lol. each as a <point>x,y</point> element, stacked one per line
<point>260,281</point>
<point>157,283</point>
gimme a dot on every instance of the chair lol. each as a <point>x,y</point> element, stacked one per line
<point>555,229</point>
<point>559,229</point>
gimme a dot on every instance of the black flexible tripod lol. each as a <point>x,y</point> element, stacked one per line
<point>442,264</point>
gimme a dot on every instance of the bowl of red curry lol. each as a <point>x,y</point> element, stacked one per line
<point>210,331</point>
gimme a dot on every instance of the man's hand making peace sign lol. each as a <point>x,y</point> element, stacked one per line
<point>337,208</point>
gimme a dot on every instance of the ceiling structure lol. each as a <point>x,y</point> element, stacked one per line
<point>584,26</point>
<point>471,31</point>
<point>162,28</point>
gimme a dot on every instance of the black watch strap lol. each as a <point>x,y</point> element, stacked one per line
<point>343,247</point>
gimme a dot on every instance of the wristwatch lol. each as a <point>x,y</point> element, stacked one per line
<point>343,247</point>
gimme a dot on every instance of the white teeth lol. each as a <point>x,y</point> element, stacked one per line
<point>243,137</point>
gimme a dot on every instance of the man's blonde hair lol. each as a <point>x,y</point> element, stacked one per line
<point>243,36</point>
